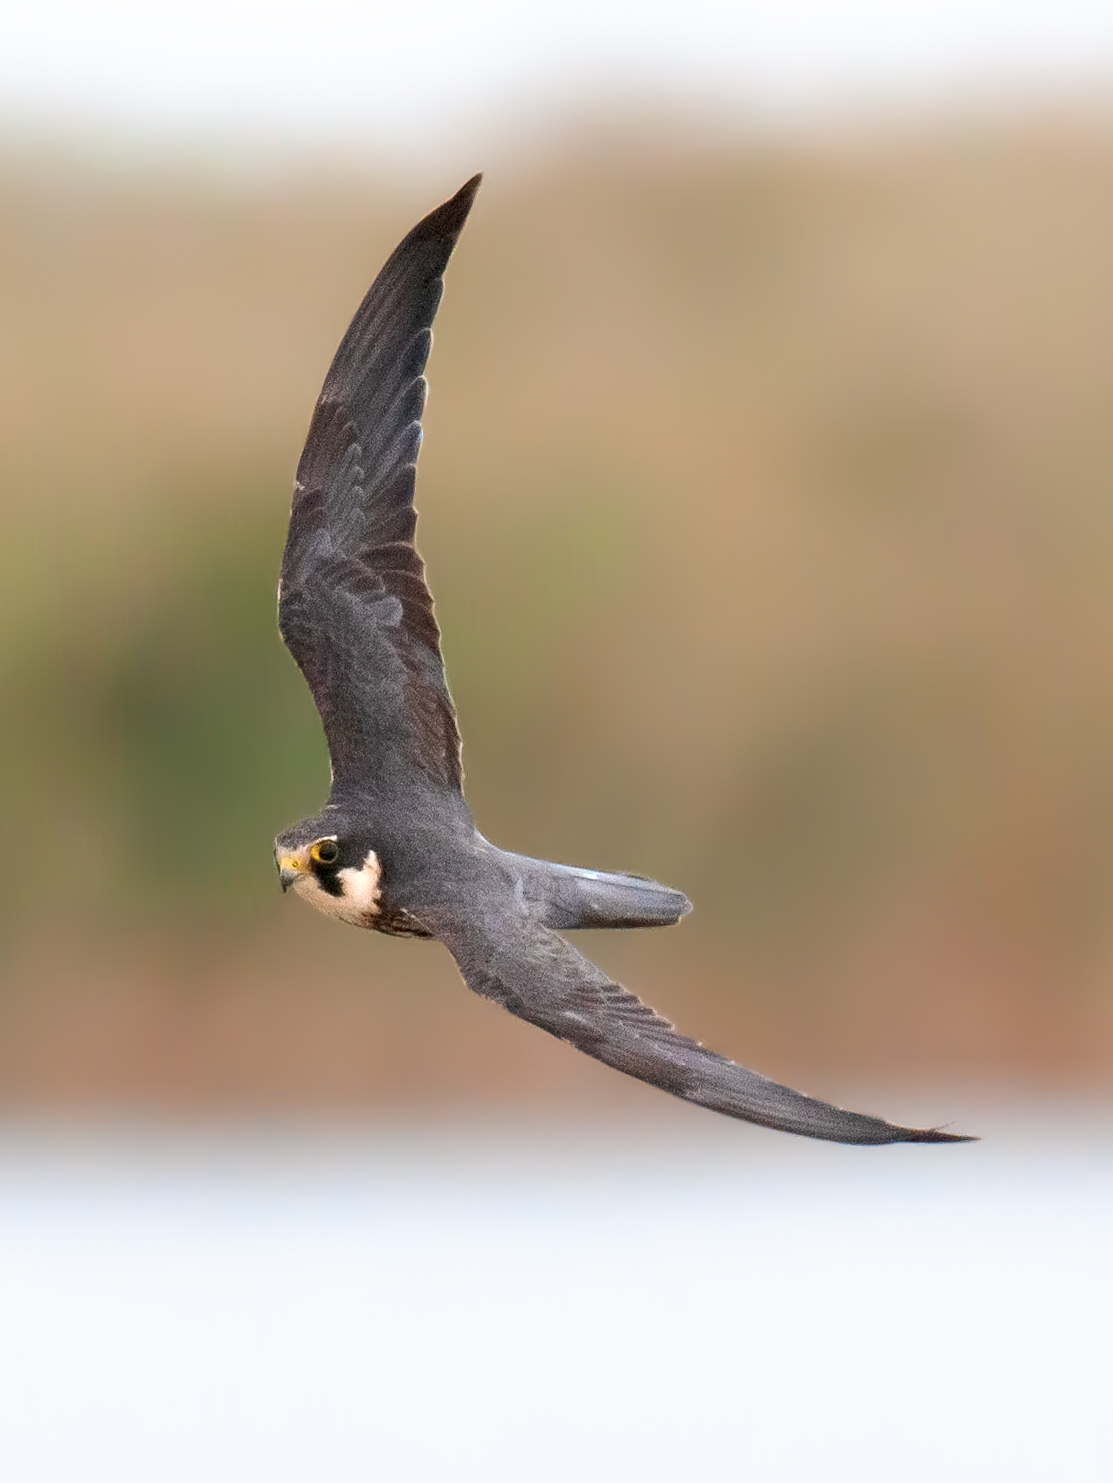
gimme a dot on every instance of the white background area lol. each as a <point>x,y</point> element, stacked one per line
<point>598,1305</point>
<point>406,78</point>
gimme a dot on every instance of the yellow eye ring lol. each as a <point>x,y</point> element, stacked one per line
<point>325,852</point>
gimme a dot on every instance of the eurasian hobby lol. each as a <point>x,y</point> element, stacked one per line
<point>395,849</point>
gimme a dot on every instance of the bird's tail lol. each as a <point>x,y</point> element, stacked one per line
<point>571,897</point>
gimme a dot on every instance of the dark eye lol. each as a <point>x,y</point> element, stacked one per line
<point>325,852</point>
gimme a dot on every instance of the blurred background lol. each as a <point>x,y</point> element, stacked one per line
<point>767,498</point>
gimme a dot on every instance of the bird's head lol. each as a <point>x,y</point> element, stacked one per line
<point>325,865</point>
<point>316,859</point>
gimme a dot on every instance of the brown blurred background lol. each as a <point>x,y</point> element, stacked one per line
<point>767,498</point>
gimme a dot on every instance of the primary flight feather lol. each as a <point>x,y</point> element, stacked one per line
<point>395,848</point>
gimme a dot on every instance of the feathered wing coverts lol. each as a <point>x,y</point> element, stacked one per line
<point>539,977</point>
<point>355,610</point>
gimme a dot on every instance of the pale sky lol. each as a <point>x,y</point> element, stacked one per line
<point>416,76</point>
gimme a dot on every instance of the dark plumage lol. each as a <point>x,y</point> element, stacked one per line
<point>395,848</point>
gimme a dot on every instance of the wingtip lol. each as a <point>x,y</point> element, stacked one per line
<point>451,215</point>
<point>937,1135</point>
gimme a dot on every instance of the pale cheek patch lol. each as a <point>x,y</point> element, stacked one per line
<point>360,899</point>
<point>361,887</point>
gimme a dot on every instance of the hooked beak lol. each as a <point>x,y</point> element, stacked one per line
<point>290,868</point>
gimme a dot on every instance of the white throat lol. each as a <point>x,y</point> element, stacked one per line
<point>359,903</point>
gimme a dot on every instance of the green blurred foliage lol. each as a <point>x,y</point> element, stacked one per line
<point>176,738</point>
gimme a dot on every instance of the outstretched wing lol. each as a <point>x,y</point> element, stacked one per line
<point>354,608</point>
<point>539,977</point>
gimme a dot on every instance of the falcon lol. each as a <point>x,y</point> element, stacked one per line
<point>395,848</point>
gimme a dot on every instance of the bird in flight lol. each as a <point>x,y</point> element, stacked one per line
<point>395,848</point>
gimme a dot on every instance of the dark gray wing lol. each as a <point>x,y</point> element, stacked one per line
<point>539,977</point>
<point>354,608</point>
